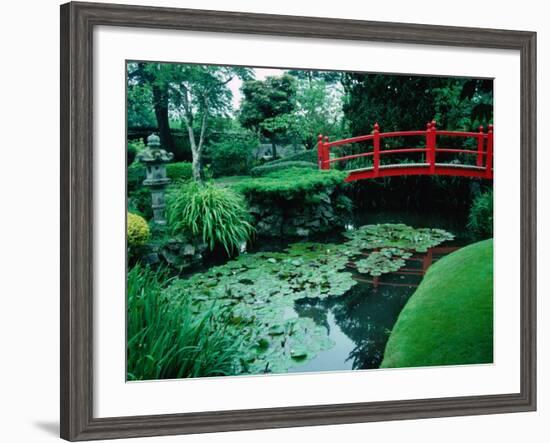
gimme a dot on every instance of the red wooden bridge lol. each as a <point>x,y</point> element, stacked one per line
<point>483,167</point>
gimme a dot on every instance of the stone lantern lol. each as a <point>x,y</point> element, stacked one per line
<point>155,159</point>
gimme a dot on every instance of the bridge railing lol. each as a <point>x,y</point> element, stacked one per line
<point>483,153</point>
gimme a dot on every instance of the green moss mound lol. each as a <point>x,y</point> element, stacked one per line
<point>290,183</point>
<point>269,168</point>
<point>449,319</point>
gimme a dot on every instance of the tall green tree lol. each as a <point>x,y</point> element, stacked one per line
<point>267,107</point>
<point>197,93</point>
<point>318,110</point>
<point>329,77</point>
<point>147,80</point>
<point>406,102</point>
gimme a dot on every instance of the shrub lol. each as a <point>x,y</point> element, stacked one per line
<point>140,202</point>
<point>166,339</point>
<point>138,230</point>
<point>218,214</point>
<point>290,183</point>
<point>309,155</point>
<point>133,148</point>
<point>480,218</point>
<point>232,156</point>
<point>135,174</point>
<point>269,167</point>
<point>180,171</point>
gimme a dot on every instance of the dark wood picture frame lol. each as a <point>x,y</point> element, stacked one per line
<point>77,23</point>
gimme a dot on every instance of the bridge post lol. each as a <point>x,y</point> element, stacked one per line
<point>376,147</point>
<point>479,161</point>
<point>431,145</point>
<point>428,149</point>
<point>489,163</point>
<point>326,154</point>
<point>320,151</point>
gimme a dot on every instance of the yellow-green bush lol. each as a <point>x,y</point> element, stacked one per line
<point>138,230</point>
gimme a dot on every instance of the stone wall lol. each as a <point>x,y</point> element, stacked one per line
<point>176,253</point>
<point>322,213</point>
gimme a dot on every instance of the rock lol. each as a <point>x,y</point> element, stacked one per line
<point>301,232</point>
<point>172,259</point>
<point>173,245</point>
<point>151,259</point>
<point>189,249</point>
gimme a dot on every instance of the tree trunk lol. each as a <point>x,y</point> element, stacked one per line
<point>160,102</point>
<point>196,165</point>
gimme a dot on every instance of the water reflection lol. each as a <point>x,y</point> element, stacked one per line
<point>360,321</point>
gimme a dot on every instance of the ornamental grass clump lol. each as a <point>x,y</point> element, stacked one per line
<point>217,214</point>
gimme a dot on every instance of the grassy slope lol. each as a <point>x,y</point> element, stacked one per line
<point>449,319</point>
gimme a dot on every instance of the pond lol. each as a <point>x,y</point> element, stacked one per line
<point>317,307</point>
<point>360,321</point>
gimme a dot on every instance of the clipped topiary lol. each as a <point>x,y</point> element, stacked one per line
<point>309,155</point>
<point>138,230</point>
<point>258,171</point>
<point>180,171</point>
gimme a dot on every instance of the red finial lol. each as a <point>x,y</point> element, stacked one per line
<point>480,128</point>
<point>434,123</point>
<point>320,137</point>
<point>490,128</point>
<point>428,125</point>
<point>376,126</point>
<point>326,138</point>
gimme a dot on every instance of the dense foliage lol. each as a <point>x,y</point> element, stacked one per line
<point>170,340</point>
<point>405,102</point>
<point>480,218</point>
<point>134,148</point>
<point>267,107</point>
<point>233,154</point>
<point>138,230</point>
<point>214,213</point>
<point>135,174</point>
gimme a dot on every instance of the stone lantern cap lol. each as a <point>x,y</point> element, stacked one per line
<point>154,153</point>
<point>154,157</point>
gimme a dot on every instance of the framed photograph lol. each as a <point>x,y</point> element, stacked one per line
<point>272,221</point>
